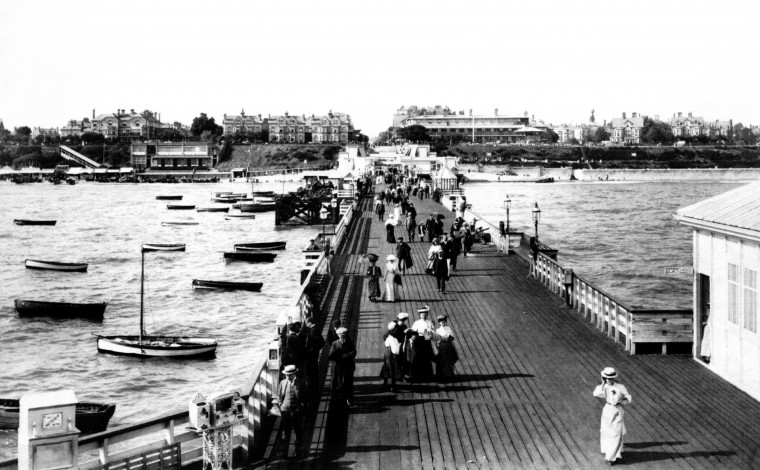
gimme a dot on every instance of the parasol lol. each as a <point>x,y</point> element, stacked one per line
<point>440,216</point>
<point>371,257</point>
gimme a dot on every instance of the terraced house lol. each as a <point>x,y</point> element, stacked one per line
<point>287,129</point>
<point>242,123</point>
<point>627,130</point>
<point>334,128</point>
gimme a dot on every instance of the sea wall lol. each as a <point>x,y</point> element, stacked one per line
<point>477,173</point>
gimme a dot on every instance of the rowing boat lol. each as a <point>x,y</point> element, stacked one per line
<point>38,308</point>
<point>252,257</point>
<point>90,417</point>
<point>56,266</point>
<point>33,222</point>
<point>260,246</point>
<point>230,285</point>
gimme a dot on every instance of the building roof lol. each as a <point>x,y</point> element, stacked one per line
<point>621,122</point>
<point>738,209</point>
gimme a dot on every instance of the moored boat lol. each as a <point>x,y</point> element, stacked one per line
<point>260,246</point>
<point>169,198</point>
<point>144,345</point>
<point>179,222</point>
<point>252,257</point>
<point>180,207</point>
<point>262,193</point>
<point>229,285</point>
<point>56,266</point>
<point>34,222</point>
<point>38,308</point>
<point>90,417</point>
<point>212,209</point>
<point>257,207</point>
<point>240,216</point>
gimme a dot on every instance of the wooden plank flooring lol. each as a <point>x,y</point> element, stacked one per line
<point>527,368</point>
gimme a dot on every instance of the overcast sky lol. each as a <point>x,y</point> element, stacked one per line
<point>555,59</point>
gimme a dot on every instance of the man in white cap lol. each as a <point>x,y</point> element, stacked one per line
<point>292,397</point>
<point>612,428</point>
<point>343,353</point>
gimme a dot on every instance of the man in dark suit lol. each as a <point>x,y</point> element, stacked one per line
<point>314,344</point>
<point>295,351</point>
<point>292,398</point>
<point>343,353</point>
<point>430,227</point>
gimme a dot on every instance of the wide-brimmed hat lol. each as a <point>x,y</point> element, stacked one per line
<point>341,330</point>
<point>443,318</point>
<point>391,325</point>
<point>609,373</point>
<point>402,316</point>
<point>425,309</point>
<point>290,370</point>
<point>391,258</point>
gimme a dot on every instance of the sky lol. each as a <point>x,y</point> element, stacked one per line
<point>556,60</point>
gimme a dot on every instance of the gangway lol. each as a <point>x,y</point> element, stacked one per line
<point>70,154</point>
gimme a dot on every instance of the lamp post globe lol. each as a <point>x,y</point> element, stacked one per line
<point>536,218</point>
<point>323,216</point>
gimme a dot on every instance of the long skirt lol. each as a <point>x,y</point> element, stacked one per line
<point>611,432</point>
<point>390,234</point>
<point>390,291</point>
<point>373,286</point>
<point>397,211</point>
<point>446,359</point>
<point>422,362</point>
<point>391,367</point>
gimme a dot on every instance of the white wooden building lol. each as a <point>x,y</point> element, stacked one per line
<point>726,238</point>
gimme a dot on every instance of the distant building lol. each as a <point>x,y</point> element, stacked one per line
<point>242,123</point>
<point>287,129</point>
<point>627,130</point>
<point>476,129</point>
<point>332,128</point>
<point>688,126</point>
<point>171,156</point>
<point>50,132</point>
<point>726,263</point>
<point>76,128</point>
<point>118,124</point>
<point>567,133</point>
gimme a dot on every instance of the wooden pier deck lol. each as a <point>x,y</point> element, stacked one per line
<point>522,398</point>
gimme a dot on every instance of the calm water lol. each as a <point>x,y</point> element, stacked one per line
<point>104,225</point>
<point>618,235</point>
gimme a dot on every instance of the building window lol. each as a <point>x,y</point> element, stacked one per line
<point>733,293</point>
<point>749,297</point>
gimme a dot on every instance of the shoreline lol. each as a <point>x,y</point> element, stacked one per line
<point>532,174</point>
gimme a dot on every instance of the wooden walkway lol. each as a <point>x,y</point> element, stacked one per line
<point>523,397</point>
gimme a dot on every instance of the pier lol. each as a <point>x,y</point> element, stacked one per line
<point>530,355</point>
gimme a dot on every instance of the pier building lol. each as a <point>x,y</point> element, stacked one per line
<point>171,156</point>
<point>726,234</point>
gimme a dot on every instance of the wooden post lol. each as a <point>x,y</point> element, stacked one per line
<point>630,346</point>
<point>617,323</point>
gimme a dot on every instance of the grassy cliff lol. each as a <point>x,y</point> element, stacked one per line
<point>274,156</point>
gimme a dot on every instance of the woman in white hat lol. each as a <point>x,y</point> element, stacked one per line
<point>447,353</point>
<point>391,281</point>
<point>391,367</point>
<point>612,428</point>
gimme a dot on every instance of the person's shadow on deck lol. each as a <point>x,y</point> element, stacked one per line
<point>630,458</point>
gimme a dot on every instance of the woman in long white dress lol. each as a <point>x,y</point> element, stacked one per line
<point>612,428</point>
<point>397,213</point>
<point>447,356</point>
<point>391,269</point>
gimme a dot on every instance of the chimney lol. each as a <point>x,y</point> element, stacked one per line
<point>259,115</point>
<point>286,114</point>
<point>93,113</point>
<point>633,115</point>
<point>496,111</point>
<point>132,111</point>
<point>679,114</point>
<point>689,113</point>
<point>470,111</point>
<point>623,115</point>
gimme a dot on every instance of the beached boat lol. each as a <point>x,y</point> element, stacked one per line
<point>260,246</point>
<point>143,345</point>
<point>251,257</point>
<point>169,198</point>
<point>56,266</point>
<point>90,417</point>
<point>180,207</point>
<point>212,209</point>
<point>179,222</point>
<point>239,216</point>
<point>229,285</point>
<point>38,308</point>
<point>34,222</point>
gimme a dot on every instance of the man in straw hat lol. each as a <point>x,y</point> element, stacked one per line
<point>292,398</point>
<point>343,353</point>
<point>612,428</point>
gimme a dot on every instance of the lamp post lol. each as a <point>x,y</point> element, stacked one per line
<point>536,218</point>
<point>323,216</point>
<point>334,205</point>
<point>507,205</point>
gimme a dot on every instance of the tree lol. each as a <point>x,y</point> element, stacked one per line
<point>656,132</point>
<point>204,123</point>
<point>600,134</point>
<point>382,137</point>
<point>92,138</point>
<point>415,133</point>
<point>551,136</point>
<point>23,131</point>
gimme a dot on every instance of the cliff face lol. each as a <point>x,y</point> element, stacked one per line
<point>274,156</point>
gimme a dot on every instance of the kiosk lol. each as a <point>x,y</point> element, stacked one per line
<point>214,417</point>
<point>47,435</point>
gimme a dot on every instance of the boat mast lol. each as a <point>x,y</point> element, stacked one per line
<point>142,290</point>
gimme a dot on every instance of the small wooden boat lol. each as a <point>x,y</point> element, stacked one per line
<point>163,246</point>
<point>260,246</point>
<point>180,207</point>
<point>251,257</point>
<point>212,209</point>
<point>229,285</point>
<point>90,417</point>
<point>143,345</point>
<point>34,222</point>
<point>257,207</point>
<point>262,193</point>
<point>239,216</point>
<point>37,308</point>
<point>169,198</point>
<point>178,222</point>
<point>56,266</point>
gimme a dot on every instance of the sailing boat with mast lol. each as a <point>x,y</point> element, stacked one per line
<point>144,345</point>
